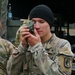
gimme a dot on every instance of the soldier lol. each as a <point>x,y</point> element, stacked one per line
<point>3,17</point>
<point>6,49</point>
<point>18,34</point>
<point>41,52</point>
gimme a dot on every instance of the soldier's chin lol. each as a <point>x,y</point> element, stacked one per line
<point>40,35</point>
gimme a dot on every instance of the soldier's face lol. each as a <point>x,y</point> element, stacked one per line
<point>42,27</point>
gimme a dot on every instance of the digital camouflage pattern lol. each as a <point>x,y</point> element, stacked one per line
<point>54,57</point>
<point>3,17</point>
<point>6,49</point>
<point>18,33</point>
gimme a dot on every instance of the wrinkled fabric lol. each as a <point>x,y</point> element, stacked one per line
<point>54,57</point>
<point>3,17</point>
<point>6,49</point>
<point>18,33</point>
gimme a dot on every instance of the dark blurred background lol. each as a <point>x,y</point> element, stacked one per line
<point>66,8</point>
<point>64,11</point>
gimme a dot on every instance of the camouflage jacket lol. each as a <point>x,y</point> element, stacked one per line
<point>6,48</point>
<point>54,57</point>
<point>18,33</point>
<point>3,17</point>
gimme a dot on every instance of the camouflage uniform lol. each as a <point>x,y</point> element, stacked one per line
<point>3,17</point>
<point>54,57</point>
<point>6,48</point>
<point>18,33</point>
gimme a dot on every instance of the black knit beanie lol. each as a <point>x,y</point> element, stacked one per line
<point>44,12</point>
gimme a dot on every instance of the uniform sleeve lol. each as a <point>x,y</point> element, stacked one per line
<point>6,49</point>
<point>18,34</point>
<point>16,61</point>
<point>18,37</point>
<point>61,65</point>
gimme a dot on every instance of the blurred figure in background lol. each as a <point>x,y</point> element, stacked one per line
<point>3,17</point>
<point>18,34</point>
<point>6,49</point>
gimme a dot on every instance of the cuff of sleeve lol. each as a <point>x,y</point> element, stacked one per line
<point>21,48</point>
<point>33,49</point>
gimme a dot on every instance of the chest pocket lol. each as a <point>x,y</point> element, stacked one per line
<point>51,49</point>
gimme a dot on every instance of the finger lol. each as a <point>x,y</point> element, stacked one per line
<point>25,33</point>
<point>35,32</point>
<point>24,38</point>
<point>24,29</point>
